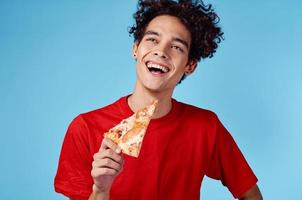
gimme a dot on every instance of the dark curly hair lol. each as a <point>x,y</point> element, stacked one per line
<point>200,20</point>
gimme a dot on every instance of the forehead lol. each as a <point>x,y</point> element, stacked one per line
<point>169,26</point>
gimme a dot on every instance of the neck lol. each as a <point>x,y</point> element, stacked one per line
<point>143,97</point>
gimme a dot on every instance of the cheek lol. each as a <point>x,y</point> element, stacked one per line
<point>145,47</point>
<point>179,57</point>
<point>180,64</point>
<point>142,52</point>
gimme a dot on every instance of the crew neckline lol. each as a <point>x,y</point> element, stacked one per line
<point>125,108</point>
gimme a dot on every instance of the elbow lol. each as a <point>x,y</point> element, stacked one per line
<point>253,194</point>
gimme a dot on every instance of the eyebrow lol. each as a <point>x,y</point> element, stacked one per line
<point>174,38</point>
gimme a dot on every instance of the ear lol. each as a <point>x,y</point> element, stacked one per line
<point>134,49</point>
<point>190,67</point>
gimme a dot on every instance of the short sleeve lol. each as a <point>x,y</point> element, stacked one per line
<point>73,177</point>
<point>229,165</point>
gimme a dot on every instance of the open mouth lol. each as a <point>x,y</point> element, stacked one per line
<point>156,68</point>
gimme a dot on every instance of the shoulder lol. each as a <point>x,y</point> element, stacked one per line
<point>200,124</point>
<point>101,118</point>
<point>196,113</point>
<point>201,120</point>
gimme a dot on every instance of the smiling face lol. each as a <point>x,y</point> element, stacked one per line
<point>162,54</point>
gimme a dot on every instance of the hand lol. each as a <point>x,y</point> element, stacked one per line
<point>107,164</point>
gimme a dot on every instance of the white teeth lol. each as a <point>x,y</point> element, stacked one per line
<point>163,68</point>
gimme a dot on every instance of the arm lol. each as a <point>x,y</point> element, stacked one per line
<point>98,194</point>
<point>252,194</point>
<point>106,165</point>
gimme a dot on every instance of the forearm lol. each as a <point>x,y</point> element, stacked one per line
<point>258,197</point>
<point>253,194</point>
<point>98,195</point>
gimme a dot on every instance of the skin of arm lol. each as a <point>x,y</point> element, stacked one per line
<point>252,194</point>
<point>107,164</point>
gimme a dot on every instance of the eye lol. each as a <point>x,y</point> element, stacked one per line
<point>153,40</point>
<point>177,48</point>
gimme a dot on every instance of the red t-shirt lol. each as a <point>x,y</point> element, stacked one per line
<point>177,151</point>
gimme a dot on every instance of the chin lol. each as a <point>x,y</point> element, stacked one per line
<point>157,88</point>
<point>154,89</point>
<point>153,86</point>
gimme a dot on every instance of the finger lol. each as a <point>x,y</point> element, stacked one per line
<point>108,153</point>
<point>96,172</point>
<point>107,143</point>
<point>107,163</point>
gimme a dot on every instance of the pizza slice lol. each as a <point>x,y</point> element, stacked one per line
<point>130,132</point>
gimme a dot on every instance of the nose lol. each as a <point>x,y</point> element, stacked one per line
<point>160,54</point>
<point>161,51</point>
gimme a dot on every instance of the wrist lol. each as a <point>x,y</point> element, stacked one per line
<point>98,189</point>
<point>98,193</point>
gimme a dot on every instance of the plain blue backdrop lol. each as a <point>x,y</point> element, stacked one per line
<point>62,58</point>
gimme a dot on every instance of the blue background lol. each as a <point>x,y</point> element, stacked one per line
<point>62,58</point>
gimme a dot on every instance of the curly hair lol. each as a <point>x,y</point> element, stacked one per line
<point>200,20</point>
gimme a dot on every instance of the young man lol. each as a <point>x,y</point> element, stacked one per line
<point>182,144</point>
